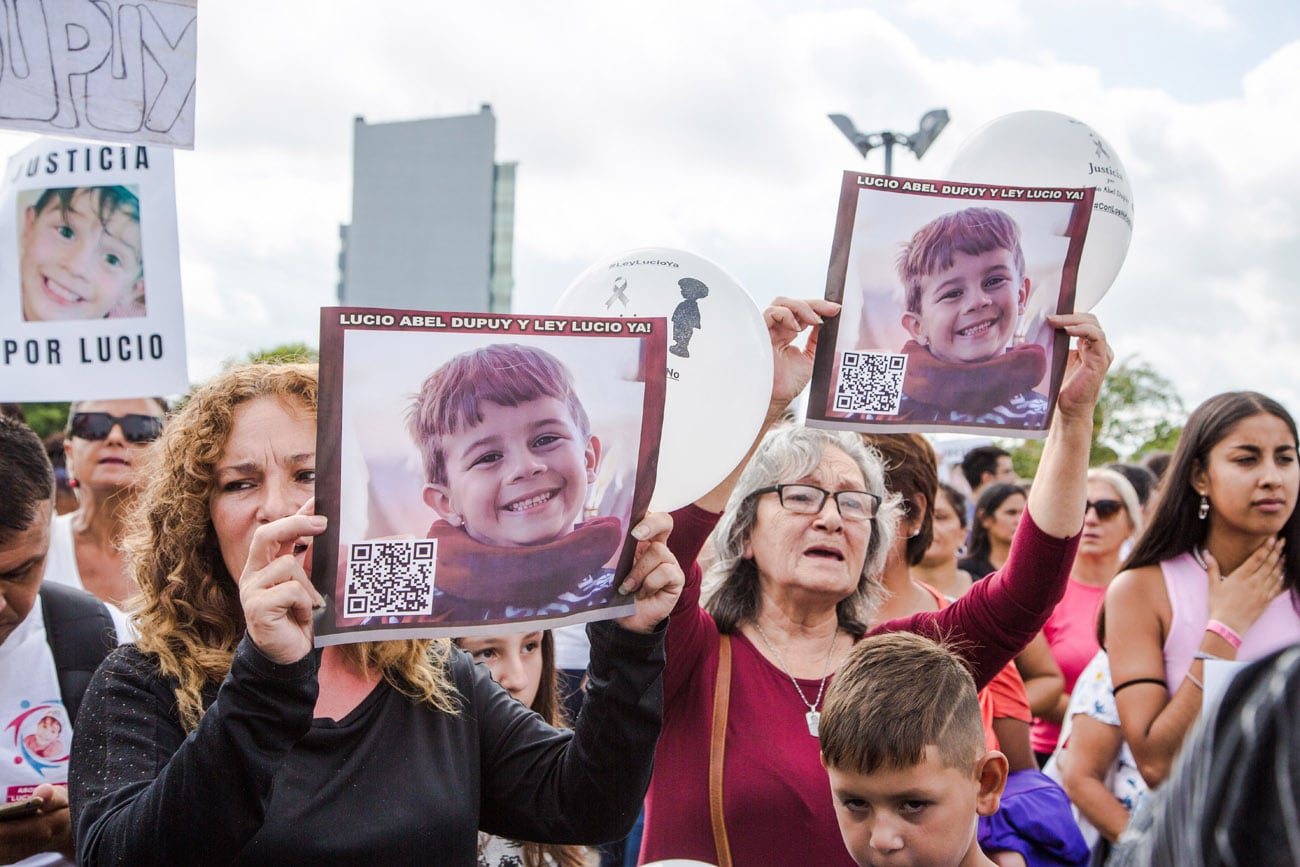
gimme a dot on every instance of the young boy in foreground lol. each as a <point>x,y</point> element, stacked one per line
<point>902,741</point>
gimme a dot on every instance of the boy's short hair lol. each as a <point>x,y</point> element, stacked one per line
<point>896,694</point>
<point>934,246</point>
<point>508,374</point>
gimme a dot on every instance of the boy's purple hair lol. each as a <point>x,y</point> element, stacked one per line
<point>935,245</point>
<point>508,374</point>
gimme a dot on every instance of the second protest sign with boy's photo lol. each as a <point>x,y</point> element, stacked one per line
<point>945,290</point>
<point>480,470</point>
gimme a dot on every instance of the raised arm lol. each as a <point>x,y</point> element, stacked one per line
<point>786,319</point>
<point>1059,492</point>
<point>998,616</point>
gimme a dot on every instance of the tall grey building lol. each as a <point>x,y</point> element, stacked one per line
<point>432,216</point>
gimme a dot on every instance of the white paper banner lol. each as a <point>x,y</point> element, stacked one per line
<point>90,288</point>
<point>121,70</point>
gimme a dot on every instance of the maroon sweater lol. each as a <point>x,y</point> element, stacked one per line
<point>776,799</point>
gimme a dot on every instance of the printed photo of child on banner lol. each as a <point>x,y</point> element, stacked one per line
<point>481,471</point>
<point>945,290</point>
<point>90,289</point>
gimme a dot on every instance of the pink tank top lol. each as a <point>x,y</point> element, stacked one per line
<point>1187,585</point>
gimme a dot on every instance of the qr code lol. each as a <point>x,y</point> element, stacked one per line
<point>390,577</point>
<point>870,382</point>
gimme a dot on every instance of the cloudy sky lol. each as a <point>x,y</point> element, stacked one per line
<point>703,126</point>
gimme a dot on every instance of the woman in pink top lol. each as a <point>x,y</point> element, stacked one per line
<point>1111,518</point>
<point>1215,575</point>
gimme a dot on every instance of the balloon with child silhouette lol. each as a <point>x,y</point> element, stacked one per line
<point>1047,149</point>
<point>719,362</point>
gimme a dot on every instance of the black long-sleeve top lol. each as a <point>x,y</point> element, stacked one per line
<point>261,781</point>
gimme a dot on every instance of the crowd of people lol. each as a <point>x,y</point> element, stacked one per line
<point>876,666</point>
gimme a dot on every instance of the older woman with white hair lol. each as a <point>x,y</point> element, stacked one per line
<point>802,542</point>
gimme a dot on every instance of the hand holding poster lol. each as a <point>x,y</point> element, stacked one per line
<point>945,291</point>
<point>481,471</point>
<point>90,300</point>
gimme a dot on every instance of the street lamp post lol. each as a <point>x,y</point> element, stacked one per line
<point>932,123</point>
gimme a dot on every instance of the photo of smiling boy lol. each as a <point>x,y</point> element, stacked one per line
<point>508,456</point>
<point>81,254</point>
<point>965,287</point>
<point>903,744</point>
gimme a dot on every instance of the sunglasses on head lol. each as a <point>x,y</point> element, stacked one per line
<point>1105,508</point>
<point>98,425</point>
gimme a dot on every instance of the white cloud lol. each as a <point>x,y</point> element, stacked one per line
<point>1206,16</point>
<point>703,126</point>
<point>958,17</point>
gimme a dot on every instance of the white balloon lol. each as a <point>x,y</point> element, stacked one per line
<point>719,359</point>
<point>1046,149</point>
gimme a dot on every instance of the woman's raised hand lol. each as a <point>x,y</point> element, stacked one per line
<point>1239,598</point>
<point>275,591</point>
<point>786,319</point>
<point>656,580</point>
<point>1086,366</point>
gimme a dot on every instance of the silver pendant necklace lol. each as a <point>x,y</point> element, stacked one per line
<point>813,716</point>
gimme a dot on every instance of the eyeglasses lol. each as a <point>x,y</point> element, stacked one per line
<point>98,425</point>
<point>1106,509</point>
<point>809,500</point>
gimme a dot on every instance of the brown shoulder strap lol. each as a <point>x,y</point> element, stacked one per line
<point>717,746</point>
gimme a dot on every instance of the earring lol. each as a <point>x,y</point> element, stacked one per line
<point>1204,511</point>
<point>72,483</point>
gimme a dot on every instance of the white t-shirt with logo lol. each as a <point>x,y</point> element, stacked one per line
<point>35,732</point>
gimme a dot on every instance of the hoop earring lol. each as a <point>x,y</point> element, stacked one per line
<point>1204,511</point>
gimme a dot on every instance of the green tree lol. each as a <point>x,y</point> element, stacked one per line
<point>285,352</point>
<point>1138,411</point>
<point>46,418</point>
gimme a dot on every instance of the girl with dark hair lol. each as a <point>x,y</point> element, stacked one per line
<point>997,514</point>
<point>1214,576</point>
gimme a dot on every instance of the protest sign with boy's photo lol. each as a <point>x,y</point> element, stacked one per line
<point>480,471</point>
<point>945,291</point>
<point>90,292</point>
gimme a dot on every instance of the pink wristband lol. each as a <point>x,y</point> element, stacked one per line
<point>1226,632</point>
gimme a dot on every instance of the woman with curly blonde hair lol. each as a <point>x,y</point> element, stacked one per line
<point>221,737</point>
